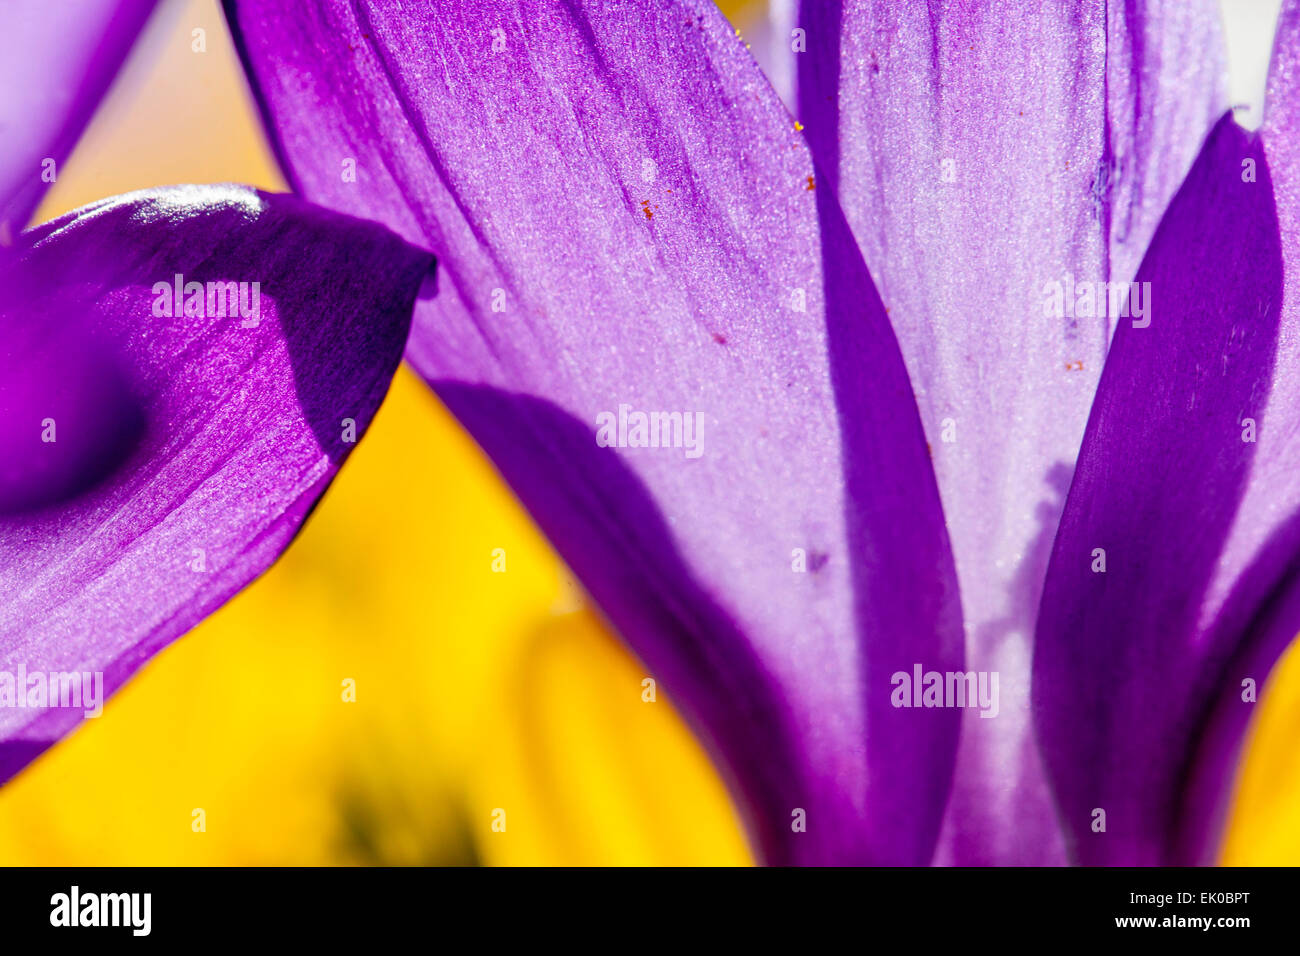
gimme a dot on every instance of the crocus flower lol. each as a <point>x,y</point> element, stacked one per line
<point>895,453</point>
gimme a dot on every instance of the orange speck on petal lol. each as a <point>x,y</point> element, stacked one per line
<point>797,125</point>
<point>811,184</point>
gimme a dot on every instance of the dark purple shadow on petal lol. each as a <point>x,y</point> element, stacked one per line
<point>68,417</point>
<point>16,754</point>
<point>694,646</point>
<point>916,748</point>
<point>911,751</point>
<point>818,77</point>
<point>329,395</point>
<point>1121,672</point>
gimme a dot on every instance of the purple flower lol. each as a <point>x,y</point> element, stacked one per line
<point>932,450</point>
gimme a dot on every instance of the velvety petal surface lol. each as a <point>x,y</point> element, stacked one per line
<point>1145,610</point>
<point>629,222</point>
<point>153,462</point>
<point>56,61</point>
<point>988,155</point>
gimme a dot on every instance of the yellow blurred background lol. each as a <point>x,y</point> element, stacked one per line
<point>476,692</point>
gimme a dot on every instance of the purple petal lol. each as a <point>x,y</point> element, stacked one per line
<point>1261,559</point>
<point>154,464</point>
<point>1128,660</point>
<point>56,61</point>
<point>982,151</point>
<point>626,216</point>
